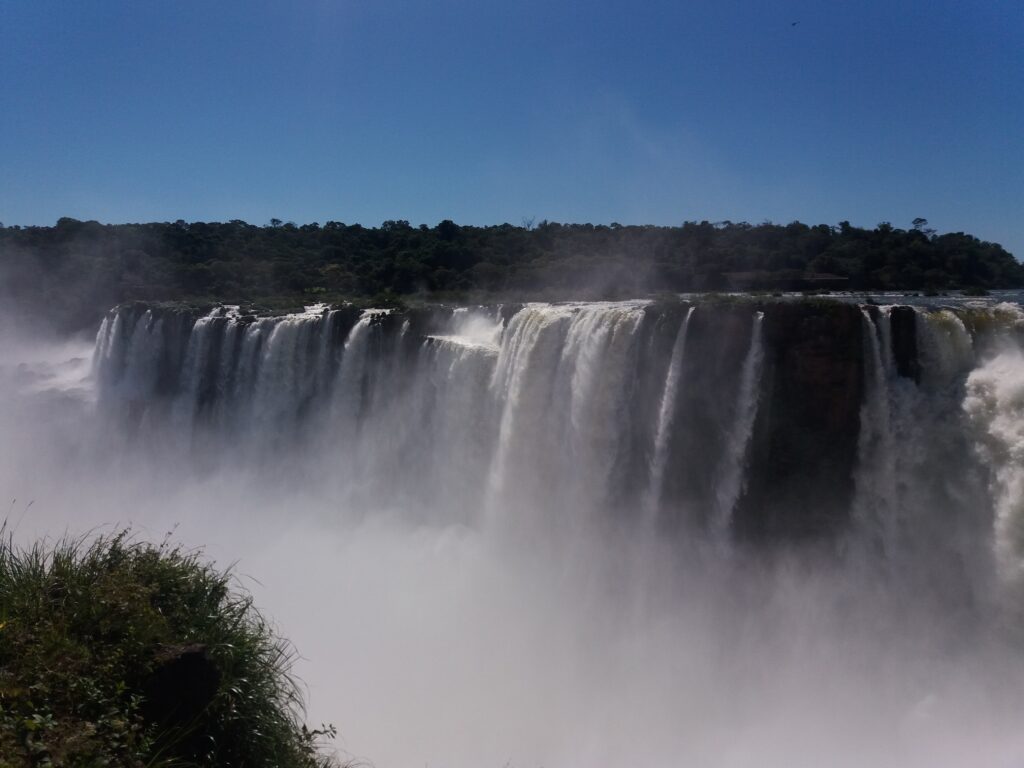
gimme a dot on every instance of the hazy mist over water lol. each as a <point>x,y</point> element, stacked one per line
<point>463,528</point>
<point>695,530</point>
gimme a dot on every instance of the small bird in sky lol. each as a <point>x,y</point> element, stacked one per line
<point>794,23</point>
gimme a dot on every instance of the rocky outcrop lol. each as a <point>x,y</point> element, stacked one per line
<point>804,447</point>
<point>903,322</point>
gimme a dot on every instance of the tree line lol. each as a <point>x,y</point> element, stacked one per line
<point>77,269</point>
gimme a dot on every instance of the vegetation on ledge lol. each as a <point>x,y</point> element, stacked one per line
<point>75,270</point>
<point>118,653</point>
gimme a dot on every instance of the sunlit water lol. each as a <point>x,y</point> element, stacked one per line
<point>461,525</point>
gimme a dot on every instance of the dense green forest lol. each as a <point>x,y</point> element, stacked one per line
<point>77,269</point>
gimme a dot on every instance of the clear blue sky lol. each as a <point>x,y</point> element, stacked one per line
<point>644,112</point>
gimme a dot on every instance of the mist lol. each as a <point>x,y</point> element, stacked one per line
<point>456,521</point>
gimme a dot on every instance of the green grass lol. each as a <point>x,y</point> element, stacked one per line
<point>93,639</point>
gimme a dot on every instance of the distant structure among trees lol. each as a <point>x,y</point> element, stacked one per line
<point>79,268</point>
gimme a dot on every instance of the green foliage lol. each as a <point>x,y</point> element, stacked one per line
<point>79,269</point>
<point>85,630</point>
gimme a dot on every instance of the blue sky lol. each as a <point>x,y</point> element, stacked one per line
<point>654,112</point>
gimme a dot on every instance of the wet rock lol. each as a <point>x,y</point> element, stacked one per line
<point>903,322</point>
<point>803,451</point>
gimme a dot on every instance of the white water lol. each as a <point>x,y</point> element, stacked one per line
<point>920,491</point>
<point>877,455</point>
<point>666,413</point>
<point>995,407</point>
<point>447,518</point>
<point>729,483</point>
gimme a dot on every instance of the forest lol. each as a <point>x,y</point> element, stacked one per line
<point>75,270</point>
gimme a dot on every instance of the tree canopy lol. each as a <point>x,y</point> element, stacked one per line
<point>79,268</point>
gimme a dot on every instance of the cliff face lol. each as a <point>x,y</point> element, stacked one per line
<point>903,322</point>
<point>804,447</point>
<point>705,415</point>
<point>739,415</point>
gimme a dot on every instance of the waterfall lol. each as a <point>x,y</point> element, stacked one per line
<point>530,350</point>
<point>194,373</point>
<point>994,406</point>
<point>349,391</point>
<point>716,508</point>
<point>875,497</point>
<point>729,483</point>
<point>570,410</point>
<point>560,384</point>
<point>666,411</point>
<point>918,483</point>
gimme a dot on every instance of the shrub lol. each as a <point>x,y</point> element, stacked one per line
<point>116,652</point>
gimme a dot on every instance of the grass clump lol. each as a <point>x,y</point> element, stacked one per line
<point>117,653</point>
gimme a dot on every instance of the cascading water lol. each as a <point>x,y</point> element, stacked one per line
<point>539,409</point>
<point>995,408</point>
<point>876,455</point>
<point>485,525</point>
<point>919,489</point>
<point>728,484</point>
<point>996,405</point>
<point>666,413</point>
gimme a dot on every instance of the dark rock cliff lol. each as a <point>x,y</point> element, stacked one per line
<point>804,446</point>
